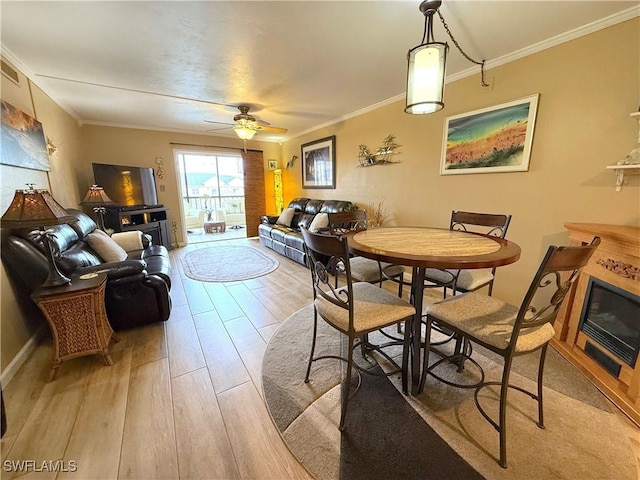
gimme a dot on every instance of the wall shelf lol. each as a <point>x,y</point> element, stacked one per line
<point>628,168</point>
<point>621,170</point>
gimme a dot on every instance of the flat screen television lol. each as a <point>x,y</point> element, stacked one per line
<point>127,186</point>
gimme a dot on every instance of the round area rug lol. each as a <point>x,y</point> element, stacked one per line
<point>227,263</point>
<point>440,433</point>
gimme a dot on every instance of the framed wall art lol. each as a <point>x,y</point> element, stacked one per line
<point>23,141</point>
<point>490,140</point>
<point>273,164</point>
<point>319,163</point>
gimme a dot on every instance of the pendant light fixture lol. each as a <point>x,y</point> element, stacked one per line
<point>427,66</point>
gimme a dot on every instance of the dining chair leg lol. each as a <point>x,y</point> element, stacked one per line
<point>502,423</point>
<point>346,385</point>
<point>425,365</point>
<point>313,344</point>
<point>406,348</point>
<point>543,354</point>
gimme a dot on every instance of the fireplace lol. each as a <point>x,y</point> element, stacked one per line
<point>610,317</point>
<point>598,325</point>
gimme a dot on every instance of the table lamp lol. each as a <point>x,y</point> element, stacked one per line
<point>37,208</point>
<point>97,198</point>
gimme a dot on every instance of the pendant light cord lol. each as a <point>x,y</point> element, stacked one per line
<point>455,42</point>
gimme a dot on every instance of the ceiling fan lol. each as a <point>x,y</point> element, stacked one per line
<point>247,125</point>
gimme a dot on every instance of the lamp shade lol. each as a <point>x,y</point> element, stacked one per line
<point>244,132</point>
<point>34,208</point>
<point>425,78</point>
<point>96,196</point>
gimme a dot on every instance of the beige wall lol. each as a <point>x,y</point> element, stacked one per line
<point>588,87</point>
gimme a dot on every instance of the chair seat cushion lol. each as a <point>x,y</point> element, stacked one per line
<point>488,319</point>
<point>373,308</point>
<point>468,280</point>
<point>368,270</point>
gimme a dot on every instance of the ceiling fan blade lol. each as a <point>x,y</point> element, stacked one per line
<point>268,128</point>
<point>219,123</point>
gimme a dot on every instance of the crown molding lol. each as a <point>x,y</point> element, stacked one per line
<point>27,72</point>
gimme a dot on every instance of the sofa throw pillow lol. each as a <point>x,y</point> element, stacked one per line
<point>319,222</point>
<point>129,241</point>
<point>105,246</point>
<point>286,217</point>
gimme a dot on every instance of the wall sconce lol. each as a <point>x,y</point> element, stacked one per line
<point>427,66</point>
<point>51,148</point>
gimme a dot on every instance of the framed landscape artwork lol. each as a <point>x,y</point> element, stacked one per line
<point>23,141</point>
<point>490,140</point>
<point>319,163</point>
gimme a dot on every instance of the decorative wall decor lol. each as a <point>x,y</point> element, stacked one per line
<point>490,140</point>
<point>319,163</point>
<point>23,141</point>
<point>382,155</point>
<point>273,164</point>
<point>292,161</point>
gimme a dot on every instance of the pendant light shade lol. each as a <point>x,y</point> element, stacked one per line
<point>427,65</point>
<point>425,78</point>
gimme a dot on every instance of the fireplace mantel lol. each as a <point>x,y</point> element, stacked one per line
<point>616,262</point>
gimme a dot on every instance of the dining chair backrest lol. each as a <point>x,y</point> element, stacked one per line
<point>491,224</point>
<point>558,270</point>
<point>324,253</point>
<point>344,222</point>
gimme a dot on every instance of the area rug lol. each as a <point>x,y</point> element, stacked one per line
<point>439,434</point>
<point>227,263</point>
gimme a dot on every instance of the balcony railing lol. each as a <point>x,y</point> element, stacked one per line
<point>230,204</point>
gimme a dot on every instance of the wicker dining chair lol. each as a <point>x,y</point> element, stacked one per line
<point>469,280</point>
<point>356,309</point>
<point>507,330</point>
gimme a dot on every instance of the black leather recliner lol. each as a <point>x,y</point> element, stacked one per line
<point>137,290</point>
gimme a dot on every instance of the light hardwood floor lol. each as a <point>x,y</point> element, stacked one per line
<point>183,398</point>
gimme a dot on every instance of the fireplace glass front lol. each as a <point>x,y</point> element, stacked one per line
<point>611,317</point>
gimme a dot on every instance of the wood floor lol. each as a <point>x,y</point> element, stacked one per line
<point>182,400</point>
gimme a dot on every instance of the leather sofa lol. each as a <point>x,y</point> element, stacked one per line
<point>137,291</point>
<point>288,241</point>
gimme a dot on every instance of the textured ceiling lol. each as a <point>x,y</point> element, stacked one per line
<point>299,64</point>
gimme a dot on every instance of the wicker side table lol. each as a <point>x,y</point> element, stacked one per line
<point>77,318</point>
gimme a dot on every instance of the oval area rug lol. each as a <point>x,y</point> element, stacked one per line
<point>227,263</point>
<point>439,434</point>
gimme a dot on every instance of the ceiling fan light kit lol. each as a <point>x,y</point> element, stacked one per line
<point>244,132</point>
<point>427,64</point>
<point>246,125</point>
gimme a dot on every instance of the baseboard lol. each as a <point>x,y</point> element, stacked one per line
<point>8,373</point>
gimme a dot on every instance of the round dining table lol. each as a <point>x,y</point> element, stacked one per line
<point>421,248</point>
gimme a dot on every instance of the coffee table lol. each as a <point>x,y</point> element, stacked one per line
<point>211,227</point>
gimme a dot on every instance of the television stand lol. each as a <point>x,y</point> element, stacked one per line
<point>152,221</point>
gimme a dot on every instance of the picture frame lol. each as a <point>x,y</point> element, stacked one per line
<point>319,163</point>
<point>23,141</point>
<point>490,140</point>
<point>273,164</point>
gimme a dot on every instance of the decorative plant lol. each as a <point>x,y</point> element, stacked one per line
<point>377,214</point>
